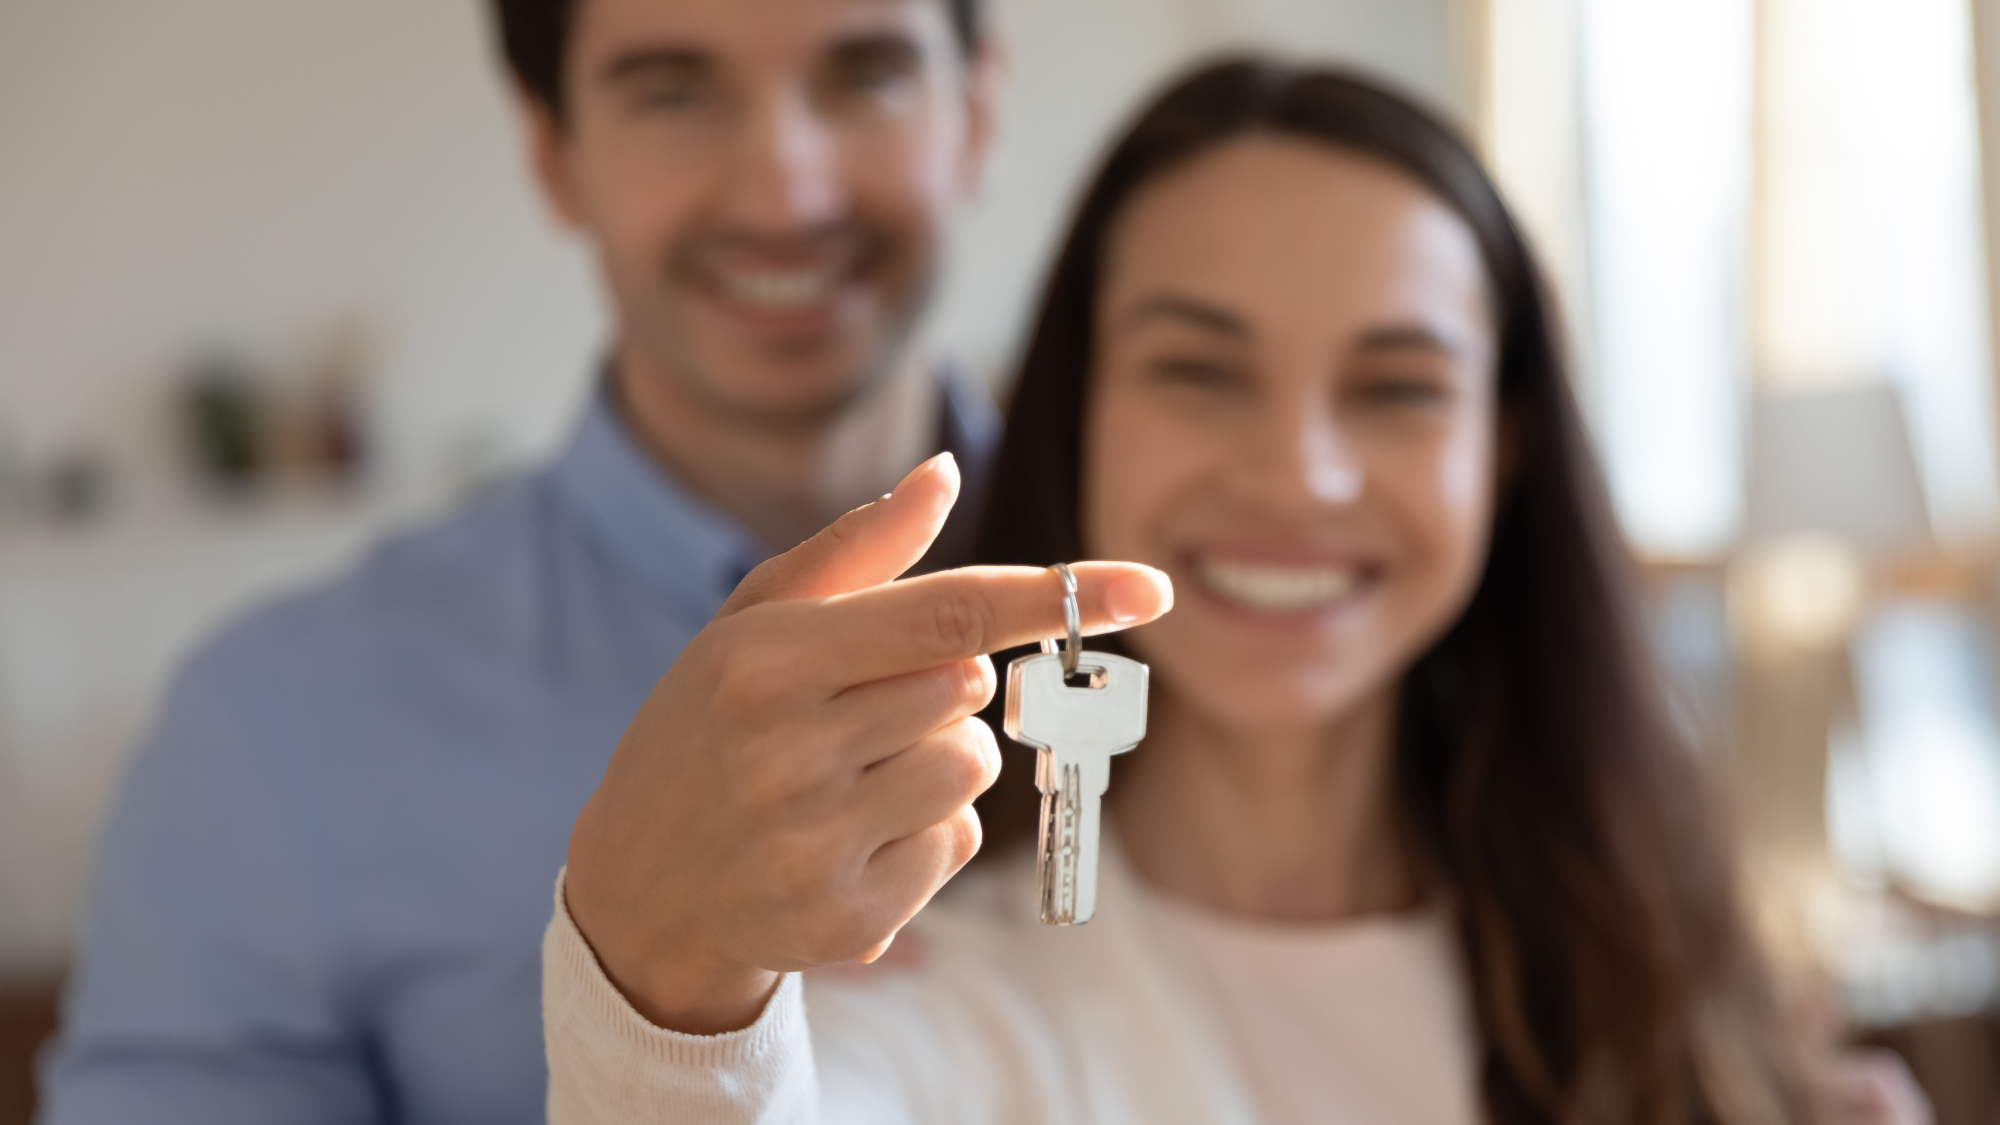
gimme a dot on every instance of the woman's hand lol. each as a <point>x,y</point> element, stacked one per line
<point>800,782</point>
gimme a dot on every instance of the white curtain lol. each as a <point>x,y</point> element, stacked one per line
<point>1753,196</point>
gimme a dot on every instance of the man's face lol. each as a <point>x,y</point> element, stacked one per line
<point>767,183</point>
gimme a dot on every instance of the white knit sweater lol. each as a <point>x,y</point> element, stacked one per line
<point>983,1016</point>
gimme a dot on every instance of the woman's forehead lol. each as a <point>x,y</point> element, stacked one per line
<point>1295,228</point>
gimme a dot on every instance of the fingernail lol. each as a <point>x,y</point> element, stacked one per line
<point>1139,596</point>
<point>923,470</point>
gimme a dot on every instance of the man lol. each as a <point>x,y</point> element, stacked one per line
<point>321,893</point>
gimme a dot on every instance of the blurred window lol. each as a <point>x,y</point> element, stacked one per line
<point>1916,798</point>
<point>1741,196</point>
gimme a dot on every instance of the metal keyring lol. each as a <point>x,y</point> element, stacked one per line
<point>1071,618</point>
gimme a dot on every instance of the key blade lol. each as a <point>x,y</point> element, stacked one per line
<point>1066,851</point>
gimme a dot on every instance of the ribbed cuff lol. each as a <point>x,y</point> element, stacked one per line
<point>608,1064</point>
<point>606,1008</point>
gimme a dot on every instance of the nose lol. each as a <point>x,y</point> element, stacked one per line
<point>787,173</point>
<point>1304,461</point>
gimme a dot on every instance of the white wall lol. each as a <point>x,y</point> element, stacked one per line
<point>247,174</point>
<point>1081,66</point>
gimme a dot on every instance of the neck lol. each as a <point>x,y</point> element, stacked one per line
<point>783,480</point>
<point>1296,826</point>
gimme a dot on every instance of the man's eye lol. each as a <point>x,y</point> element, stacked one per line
<point>680,94</point>
<point>873,71</point>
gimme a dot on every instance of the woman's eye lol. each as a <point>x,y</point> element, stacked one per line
<point>1401,391</point>
<point>1201,374</point>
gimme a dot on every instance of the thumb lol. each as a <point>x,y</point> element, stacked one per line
<point>866,547</point>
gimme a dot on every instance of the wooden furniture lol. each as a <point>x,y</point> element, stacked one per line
<point>27,1018</point>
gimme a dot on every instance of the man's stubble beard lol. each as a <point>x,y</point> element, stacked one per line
<point>693,382</point>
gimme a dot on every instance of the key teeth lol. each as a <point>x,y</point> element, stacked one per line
<point>1059,854</point>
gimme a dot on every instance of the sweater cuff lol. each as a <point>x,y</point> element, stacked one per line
<point>607,1063</point>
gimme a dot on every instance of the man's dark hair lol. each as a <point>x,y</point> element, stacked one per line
<point>534,35</point>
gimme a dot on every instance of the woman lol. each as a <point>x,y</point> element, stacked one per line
<point>1409,838</point>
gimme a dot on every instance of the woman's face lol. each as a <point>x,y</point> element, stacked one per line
<point>1291,412</point>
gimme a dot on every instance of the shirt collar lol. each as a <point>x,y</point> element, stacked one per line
<point>690,552</point>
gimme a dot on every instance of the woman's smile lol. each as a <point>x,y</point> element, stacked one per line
<point>1284,587</point>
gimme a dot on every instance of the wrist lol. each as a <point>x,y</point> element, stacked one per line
<point>677,991</point>
<point>712,1003</point>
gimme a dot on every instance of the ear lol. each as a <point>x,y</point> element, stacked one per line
<point>549,153</point>
<point>986,75</point>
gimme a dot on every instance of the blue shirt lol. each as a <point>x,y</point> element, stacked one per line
<point>321,891</point>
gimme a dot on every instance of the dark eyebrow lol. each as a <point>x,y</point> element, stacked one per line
<point>1395,336</point>
<point>1188,310</point>
<point>892,44</point>
<point>648,60</point>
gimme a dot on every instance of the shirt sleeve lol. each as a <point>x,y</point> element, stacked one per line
<point>202,990</point>
<point>609,1066</point>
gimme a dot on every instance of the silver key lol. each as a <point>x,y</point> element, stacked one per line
<point>1075,730</point>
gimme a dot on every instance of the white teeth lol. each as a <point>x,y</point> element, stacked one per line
<point>779,288</point>
<point>1277,588</point>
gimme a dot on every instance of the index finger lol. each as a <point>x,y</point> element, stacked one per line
<point>920,623</point>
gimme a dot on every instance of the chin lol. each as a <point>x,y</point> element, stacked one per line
<point>804,384</point>
<point>774,368</point>
<point>1276,705</point>
<point>802,400</point>
<point>1244,695</point>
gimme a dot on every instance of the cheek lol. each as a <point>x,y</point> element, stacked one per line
<point>640,207</point>
<point>907,174</point>
<point>1446,496</point>
<point>1135,462</point>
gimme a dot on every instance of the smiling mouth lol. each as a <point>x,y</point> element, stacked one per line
<point>785,281</point>
<point>1271,588</point>
<point>781,290</point>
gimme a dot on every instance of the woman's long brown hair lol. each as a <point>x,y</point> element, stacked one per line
<point>1613,978</point>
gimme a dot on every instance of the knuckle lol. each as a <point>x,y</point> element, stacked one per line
<point>742,694</point>
<point>755,588</point>
<point>765,792</point>
<point>734,691</point>
<point>747,678</point>
<point>965,835</point>
<point>988,749</point>
<point>976,683</point>
<point>960,621</point>
<point>969,761</point>
<point>842,531</point>
<point>773,779</point>
<point>762,576</point>
<point>957,689</point>
<point>798,868</point>
<point>845,740</point>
